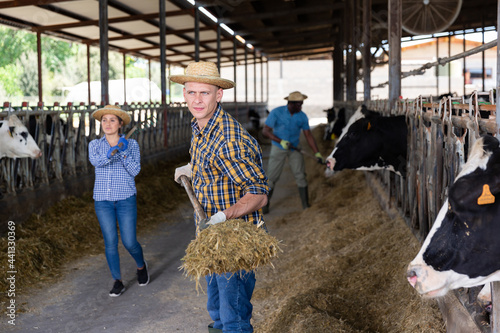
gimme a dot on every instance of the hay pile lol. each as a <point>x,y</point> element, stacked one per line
<point>228,248</point>
<point>344,266</point>
<point>70,229</point>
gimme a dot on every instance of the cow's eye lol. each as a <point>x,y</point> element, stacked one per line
<point>24,135</point>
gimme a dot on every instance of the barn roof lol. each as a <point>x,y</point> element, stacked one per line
<point>275,28</point>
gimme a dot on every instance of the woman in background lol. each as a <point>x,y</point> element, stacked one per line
<point>117,161</point>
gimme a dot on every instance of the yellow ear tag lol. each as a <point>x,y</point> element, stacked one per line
<point>486,197</point>
<point>369,126</point>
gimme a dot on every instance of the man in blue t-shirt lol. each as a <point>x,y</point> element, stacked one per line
<point>283,126</point>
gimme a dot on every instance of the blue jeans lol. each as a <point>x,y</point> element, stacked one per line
<point>125,212</point>
<point>229,301</point>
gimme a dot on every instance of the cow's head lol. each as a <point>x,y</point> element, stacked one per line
<point>368,143</point>
<point>462,248</point>
<point>16,140</point>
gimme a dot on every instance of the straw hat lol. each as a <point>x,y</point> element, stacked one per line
<point>112,109</point>
<point>204,72</point>
<point>296,96</point>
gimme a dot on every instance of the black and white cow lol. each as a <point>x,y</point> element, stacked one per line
<point>370,141</point>
<point>15,140</point>
<point>462,248</point>
<point>336,122</point>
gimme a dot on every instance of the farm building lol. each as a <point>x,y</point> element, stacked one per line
<point>382,209</point>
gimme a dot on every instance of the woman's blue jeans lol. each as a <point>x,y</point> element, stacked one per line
<point>125,212</point>
<point>229,300</point>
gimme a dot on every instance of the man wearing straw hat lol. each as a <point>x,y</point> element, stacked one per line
<point>229,181</point>
<point>283,126</point>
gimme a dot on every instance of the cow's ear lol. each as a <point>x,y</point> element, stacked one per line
<point>11,131</point>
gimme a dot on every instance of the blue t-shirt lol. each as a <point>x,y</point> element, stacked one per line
<point>287,126</point>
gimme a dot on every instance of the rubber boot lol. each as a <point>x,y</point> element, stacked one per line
<point>265,209</point>
<point>304,197</point>
<point>211,329</point>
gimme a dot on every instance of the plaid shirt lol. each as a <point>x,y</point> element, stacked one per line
<point>226,164</point>
<point>114,177</point>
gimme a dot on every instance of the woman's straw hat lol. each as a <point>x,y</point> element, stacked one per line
<point>204,72</point>
<point>112,109</point>
<point>296,96</point>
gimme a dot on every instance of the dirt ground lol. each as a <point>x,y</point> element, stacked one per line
<point>342,269</point>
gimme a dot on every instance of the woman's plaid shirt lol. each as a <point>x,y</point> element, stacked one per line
<point>226,164</point>
<point>114,177</point>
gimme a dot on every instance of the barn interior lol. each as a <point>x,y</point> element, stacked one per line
<point>242,32</point>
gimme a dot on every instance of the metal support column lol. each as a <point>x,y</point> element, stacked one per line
<point>437,67</point>
<point>449,64</point>
<point>246,74</point>
<point>218,46</point>
<point>351,50</point>
<point>261,79</point>
<point>196,33</point>
<point>338,70</point>
<point>395,24</point>
<point>367,18</point>
<point>39,64</point>
<point>235,65</point>
<point>254,76</point>
<point>465,67</point>
<point>88,75</point>
<point>124,79</point>
<point>103,49</point>
<point>495,286</point>
<point>163,53</point>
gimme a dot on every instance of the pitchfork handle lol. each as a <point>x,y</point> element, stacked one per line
<point>192,197</point>
<point>129,134</point>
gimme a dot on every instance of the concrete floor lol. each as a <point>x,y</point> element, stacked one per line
<point>79,301</point>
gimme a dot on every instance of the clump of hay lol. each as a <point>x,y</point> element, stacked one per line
<point>228,248</point>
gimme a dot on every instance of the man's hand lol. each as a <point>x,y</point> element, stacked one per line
<point>124,144</point>
<point>320,158</point>
<point>217,218</point>
<point>182,171</point>
<point>285,144</point>
<point>111,150</point>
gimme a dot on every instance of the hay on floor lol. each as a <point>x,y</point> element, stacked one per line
<point>228,248</point>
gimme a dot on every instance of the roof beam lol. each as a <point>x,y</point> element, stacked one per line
<point>151,34</point>
<point>22,3</point>
<point>275,14</point>
<point>129,18</point>
<point>290,27</point>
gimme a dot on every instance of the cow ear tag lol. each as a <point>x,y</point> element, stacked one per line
<point>369,126</point>
<point>486,197</point>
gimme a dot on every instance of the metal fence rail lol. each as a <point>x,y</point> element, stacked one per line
<point>64,132</point>
<point>440,135</point>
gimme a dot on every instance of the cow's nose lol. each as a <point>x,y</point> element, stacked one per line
<point>330,163</point>
<point>412,276</point>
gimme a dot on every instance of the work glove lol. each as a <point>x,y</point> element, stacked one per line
<point>285,144</point>
<point>320,158</point>
<point>182,171</point>
<point>217,218</point>
<point>111,150</point>
<point>124,143</point>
